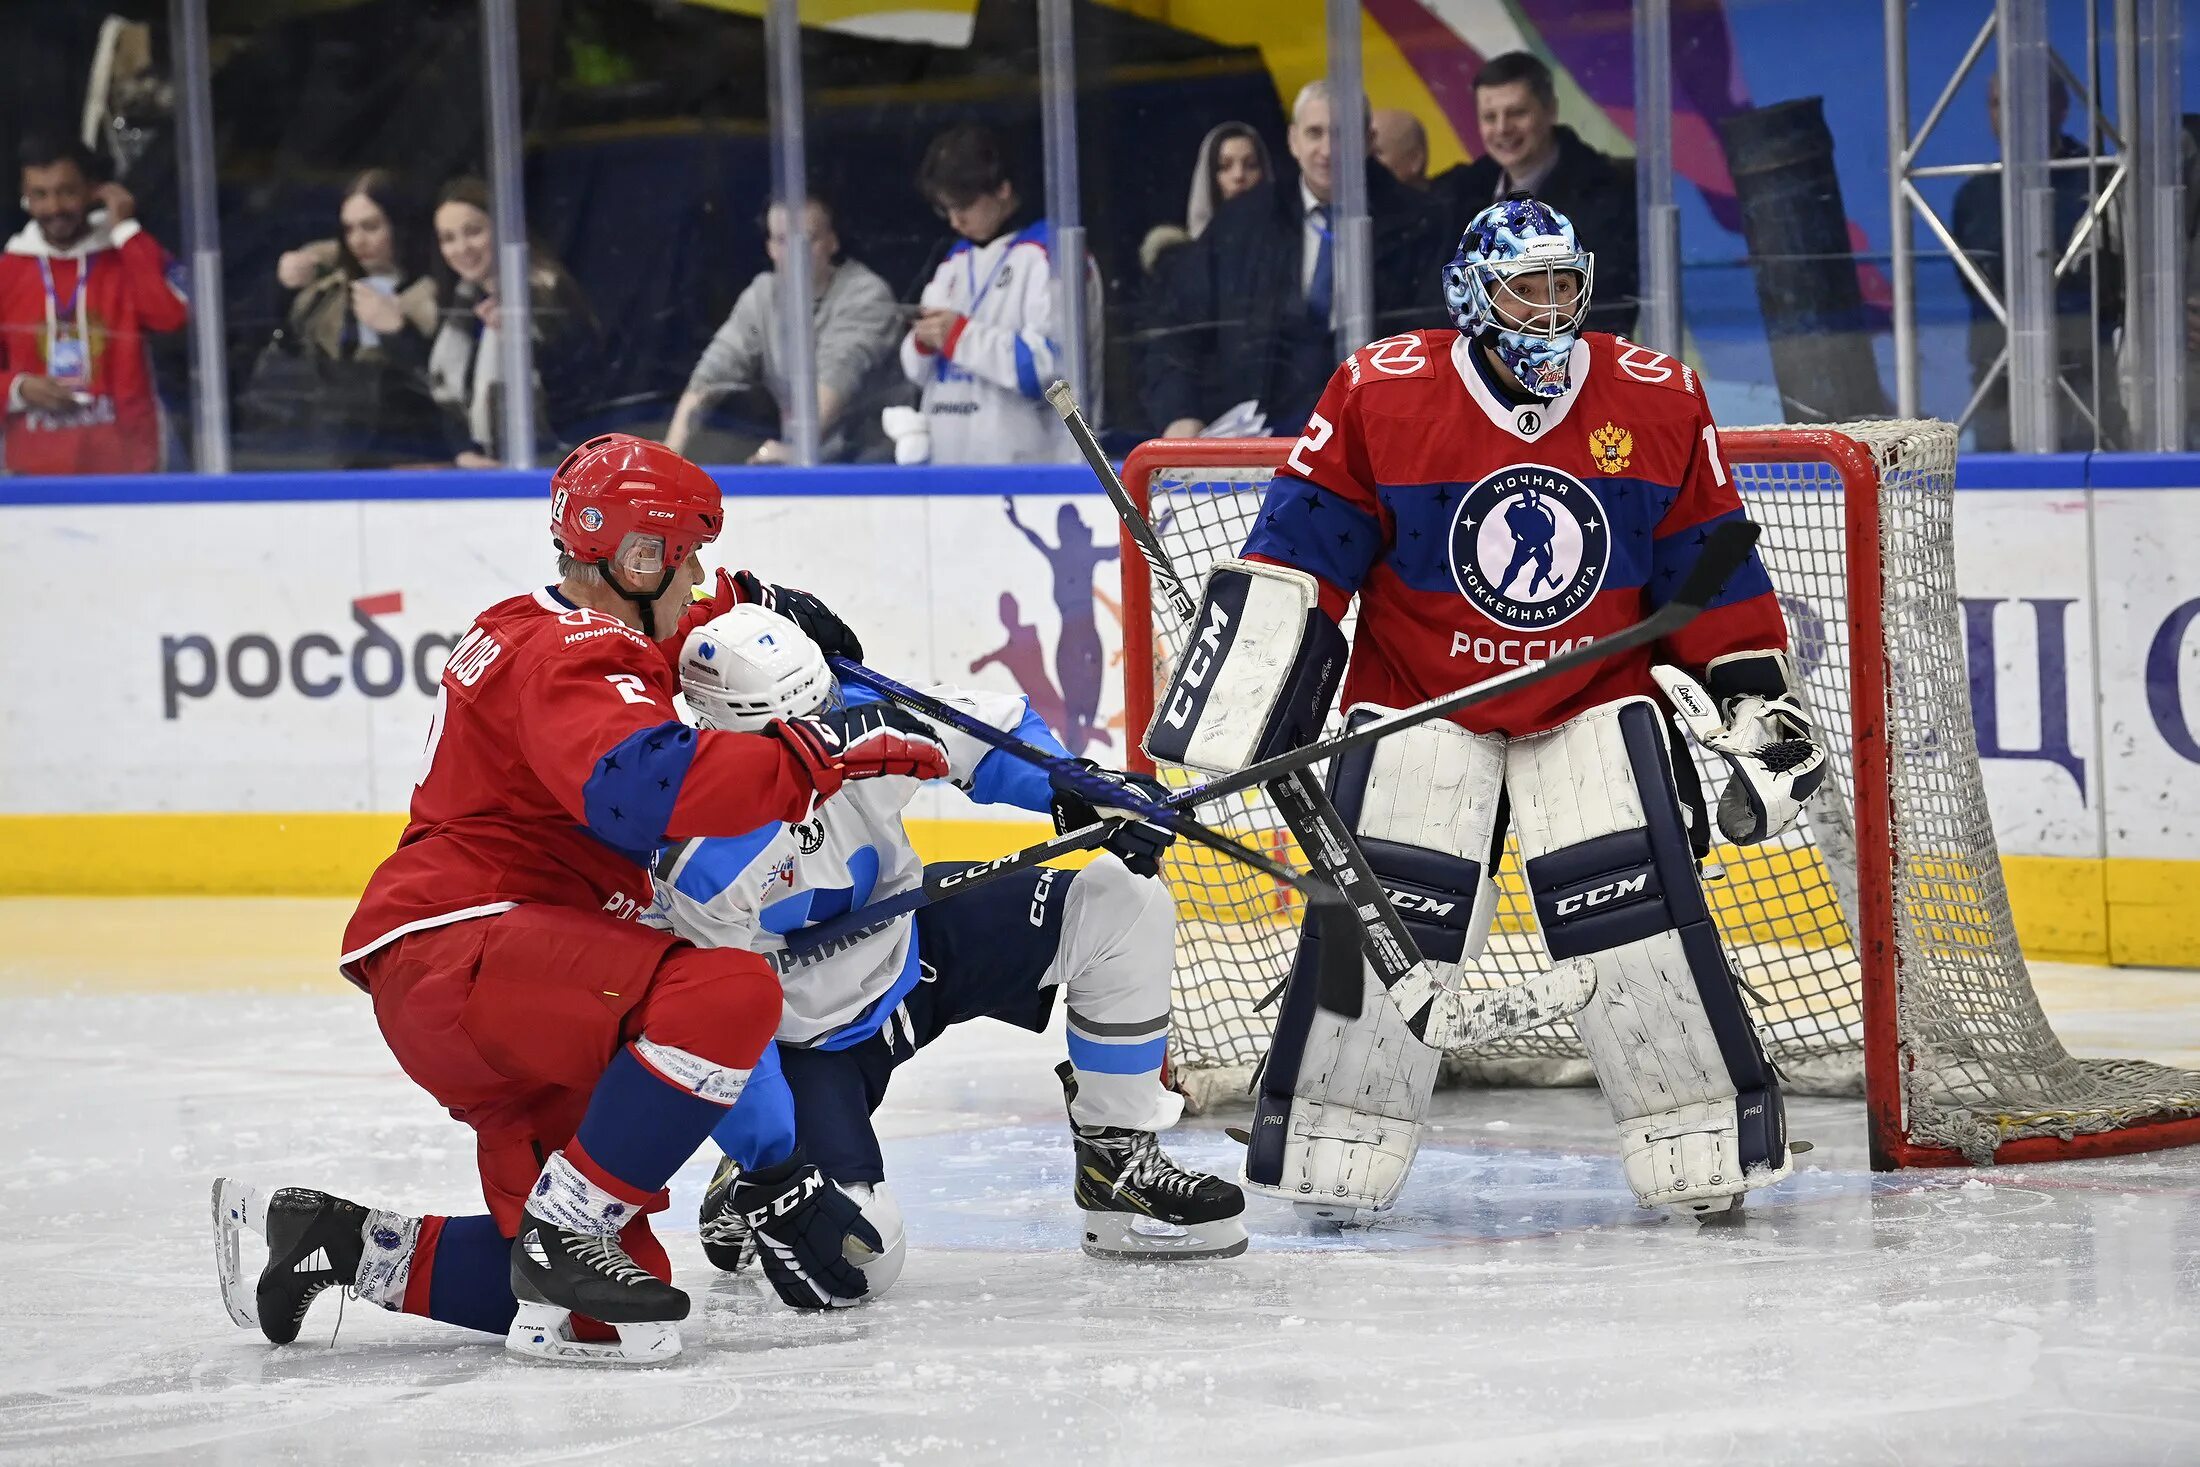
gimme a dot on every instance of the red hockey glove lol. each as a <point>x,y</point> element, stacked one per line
<point>864,742</point>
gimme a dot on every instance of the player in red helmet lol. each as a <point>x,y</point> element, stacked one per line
<point>590,1054</point>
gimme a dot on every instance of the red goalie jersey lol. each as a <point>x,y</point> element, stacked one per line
<point>1480,535</point>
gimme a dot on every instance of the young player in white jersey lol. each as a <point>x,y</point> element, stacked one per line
<point>1104,936</point>
<point>984,346</point>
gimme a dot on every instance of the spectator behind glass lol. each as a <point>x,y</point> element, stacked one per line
<point>983,349</point>
<point>1401,145</point>
<point>1529,150</point>
<point>465,367</point>
<point>1976,223</point>
<point>1254,301</point>
<point>80,286</point>
<point>1232,160</point>
<point>855,323</point>
<point>344,382</point>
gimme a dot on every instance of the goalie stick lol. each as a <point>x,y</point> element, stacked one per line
<point>1723,553</point>
<point>1298,795</point>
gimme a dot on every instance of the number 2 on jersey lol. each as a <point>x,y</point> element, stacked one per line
<point>1311,441</point>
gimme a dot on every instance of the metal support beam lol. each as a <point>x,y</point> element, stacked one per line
<point>790,190</point>
<point>508,200</point>
<point>1058,126</point>
<point>1659,323</point>
<point>1354,248</point>
<point>202,236</point>
<point>2156,349</point>
<point>1902,259</point>
<point>2027,223</point>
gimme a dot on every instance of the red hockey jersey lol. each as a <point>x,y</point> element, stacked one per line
<point>1481,536</point>
<point>555,767</point>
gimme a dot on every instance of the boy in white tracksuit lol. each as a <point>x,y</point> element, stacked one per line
<point>984,348</point>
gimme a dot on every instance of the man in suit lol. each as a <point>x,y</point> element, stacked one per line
<point>1248,310</point>
<point>1527,150</point>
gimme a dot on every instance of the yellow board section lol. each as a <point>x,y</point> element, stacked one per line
<point>298,855</point>
<point>2121,910</point>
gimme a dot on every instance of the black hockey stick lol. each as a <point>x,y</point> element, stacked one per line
<point>1322,833</point>
<point>1723,554</point>
<point>1327,906</point>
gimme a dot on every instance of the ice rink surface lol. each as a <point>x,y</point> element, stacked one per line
<point>1516,1307</point>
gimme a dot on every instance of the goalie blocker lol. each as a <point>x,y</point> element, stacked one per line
<point>1257,674</point>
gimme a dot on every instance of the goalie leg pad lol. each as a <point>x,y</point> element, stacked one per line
<point>1338,1107</point>
<point>1256,676</point>
<point>1613,878</point>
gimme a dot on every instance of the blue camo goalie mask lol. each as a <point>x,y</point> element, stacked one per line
<point>1521,277</point>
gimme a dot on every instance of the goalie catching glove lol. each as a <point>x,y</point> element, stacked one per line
<point>1139,846</point>
<point>1746,713</point>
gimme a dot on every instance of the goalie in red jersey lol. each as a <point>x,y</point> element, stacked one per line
<point>591,1054</point>
<point>1494,496</point>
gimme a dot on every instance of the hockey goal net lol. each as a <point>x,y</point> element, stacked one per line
<point>1875,942</point>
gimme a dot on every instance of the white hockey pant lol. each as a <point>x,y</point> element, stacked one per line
<point>1338,1104</point>
<point>1117,953</point>
<point>1613,879</point>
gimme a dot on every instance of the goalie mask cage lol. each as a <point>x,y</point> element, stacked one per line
<point>1875,942</point>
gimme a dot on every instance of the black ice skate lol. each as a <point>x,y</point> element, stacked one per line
<point>557,1274</point>
<point>727,1241</point>
<point>1138,1204</point>
<point>314,1243</point>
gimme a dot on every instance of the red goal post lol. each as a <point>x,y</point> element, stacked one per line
<point>1876,945</point>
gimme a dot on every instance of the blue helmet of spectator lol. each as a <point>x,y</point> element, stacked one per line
<point>1521,277</point>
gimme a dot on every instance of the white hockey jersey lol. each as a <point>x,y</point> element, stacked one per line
<point>983,397</point>
<point>748,891</point>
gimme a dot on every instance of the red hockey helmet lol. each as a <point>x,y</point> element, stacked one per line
<point>615,495</point>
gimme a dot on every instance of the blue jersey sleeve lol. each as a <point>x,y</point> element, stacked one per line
<point>1003,779</point>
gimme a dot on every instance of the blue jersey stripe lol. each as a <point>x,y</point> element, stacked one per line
<point>628,798</point>
<point>1001,778</point>
<point>1304,525</point>
<point>1672,556</point>
<point>716,862</point>
<point>1027,370</point>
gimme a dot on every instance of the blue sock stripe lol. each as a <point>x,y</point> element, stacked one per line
<point>639,1127</point>
<point>1116,1059</point>
<point>472,1282</point>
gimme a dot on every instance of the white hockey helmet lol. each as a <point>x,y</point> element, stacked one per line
<point>751,665</point>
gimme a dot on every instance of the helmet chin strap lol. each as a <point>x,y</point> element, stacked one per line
<point>646,600</point>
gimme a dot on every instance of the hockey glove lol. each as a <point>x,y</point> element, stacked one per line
<point>802,1224</point>
<point>863,742</point>
<point>1137,846</point>
<point>805,611</point>
<point>1761,733</point>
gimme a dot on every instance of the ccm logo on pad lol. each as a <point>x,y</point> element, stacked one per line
<point>1597,896</point>
<point>1198,663</point>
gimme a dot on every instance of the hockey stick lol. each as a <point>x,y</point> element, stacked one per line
<point>1327,906</point>
<point>1723,553</point>
<point>1466,1019</point>
<point>1322,833</point>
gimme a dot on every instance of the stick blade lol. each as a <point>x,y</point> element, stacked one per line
<point>1724,552</point>
<point>1339,985</point>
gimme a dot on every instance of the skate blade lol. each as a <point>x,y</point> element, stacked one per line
<point>237,1207</point>
<point>1729,1204</point>
<point>544,1332</point>
<point>1334,1214</point>
<point>1125,1235</point>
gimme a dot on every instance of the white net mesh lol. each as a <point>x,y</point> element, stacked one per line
<point>1984,1065</point>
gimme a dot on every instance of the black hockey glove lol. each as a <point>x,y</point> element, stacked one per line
<point>1137,846</point>
<point>802,1224</point>
<point>807,612</point>
<point>867,741</point>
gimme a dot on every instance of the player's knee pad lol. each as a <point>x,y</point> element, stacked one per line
<point>1257,675</point>
<point>1117,953</point>
<point>1339,1103</point>
<point>1613,879</point>
<point>716,1006</point>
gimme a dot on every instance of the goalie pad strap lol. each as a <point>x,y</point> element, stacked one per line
<point>1749,674</point>
<point>1257,675</point>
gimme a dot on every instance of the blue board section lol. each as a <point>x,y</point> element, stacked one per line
<point>2065,471</point>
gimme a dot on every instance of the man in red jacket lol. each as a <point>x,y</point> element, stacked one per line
<point>590,1054</point>
<point>80,285</point>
